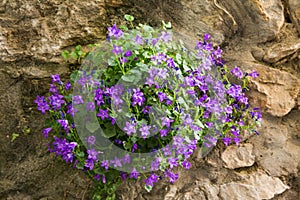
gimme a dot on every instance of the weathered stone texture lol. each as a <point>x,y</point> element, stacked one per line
<point>256,35</point>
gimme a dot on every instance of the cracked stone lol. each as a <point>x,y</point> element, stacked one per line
<point>238,156</point>
<point>256,186</point>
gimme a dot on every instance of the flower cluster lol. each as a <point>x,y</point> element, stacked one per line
<point>154,103</point>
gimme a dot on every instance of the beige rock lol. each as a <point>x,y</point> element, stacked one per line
<point>282,50</point>
<point>257,186</point>
<point>238,191</point>
<point>274,91</point>
<point>238,156</point>
<point>259,20</point>
<point>42,29</point>
<point>277,149</point>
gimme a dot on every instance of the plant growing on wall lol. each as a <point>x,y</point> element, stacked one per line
<point>141,104</point>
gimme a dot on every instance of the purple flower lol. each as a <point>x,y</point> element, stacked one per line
<point>92,154</point>
<point>42,104</point>
<point>103,114</point>
<point>256,115</point>
<point>71,110</point>
<point>170,62</point>
<point>90,106</point>
<point>138,97</point>
<point>77,99</point>
<point>237,72</point>
<point>116,162</point>
<point>153,72</point>
<point>145,130</point>
<point>126,159</point>
<point>53,88</point>
<point>228,109</point>
<point>46,131</point>
<point>254,74</point>
<point>209,124</point>
<point>134,174</point>
<point>68,85</point>
<point>166,121</point>
<point>189,81</point>
<point>243,99</point>
<point>150,81</point>
<point>206,37</point>
<point>166,36</point>
<point>123,60</point>
<point>117,50</point>
<point>56,101</point>
<point>236,140</point>
<point>146,109</point>
<point>153,178</point>
<point>155,164</point>
<point>173,162</point>
<point>97,177</point>
<point>128,53</point>
<point>91,140</point>
<point>154,41</point>
<point>64,124</point>
<point>163,132</point>
<point>226,140</point>
<point>105,164</point>
<point>114,31</point>
<point>55,78</point>
<point>160,58</point>
<point>89,163</point>
<point>138,39</point>
<point>64,149</point>
<point>129,128</point>
<point>187,120</point>
<point>234,91</point>
<point>123,176</point>
<point>103,179</point>
<point>134,147</point>
<point>166,150</point>
<point>162,96</point>
<point>218,53</point>
<point>172,176</point>
<point>186,164</point>
<point>162,73</point>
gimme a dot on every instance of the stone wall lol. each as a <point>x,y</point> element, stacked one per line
<point>261,35</point>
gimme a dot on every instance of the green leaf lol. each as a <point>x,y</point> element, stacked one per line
<point>73,76</point>
<point>143,67</point>
<point>167,25</point>
<point>65,54</point>
<point>123,27</point>
<point>111,62</point>
<point>133,76</point>
<point>26,130</point>
<point>14,136</point>
<point>80,154</point>
<point>80,165</point>
<point>74,55</point>
<point>129,18</point>
<point>148,188</point>
<point>109,130</point>
<point>92,126</point>
<point>77,48</point>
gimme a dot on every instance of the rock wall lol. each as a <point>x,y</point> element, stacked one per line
<point>261,35</point>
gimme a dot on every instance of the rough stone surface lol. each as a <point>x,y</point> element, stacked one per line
<point>238,156</point>
<point>260,35</point>
<point>277,148</point>
<point>257,186</point>
<point>259,20</point>
<point>274,91</point>
<point>279,51</point>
